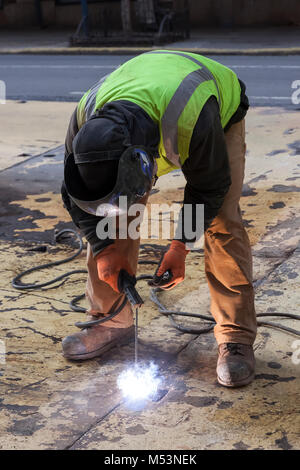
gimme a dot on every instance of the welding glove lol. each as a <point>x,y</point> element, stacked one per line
<point>171,268</point>
<point>109,264</point>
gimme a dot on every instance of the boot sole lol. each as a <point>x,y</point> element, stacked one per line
<point>121,341</point>
<point>242,383</point>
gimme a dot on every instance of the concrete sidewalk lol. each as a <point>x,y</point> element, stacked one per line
<point>282,40</point>
<point>47,402</point>
<point>30,128</point>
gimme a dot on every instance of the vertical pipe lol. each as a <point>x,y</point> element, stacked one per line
<point>85,15</point>
<point>126,16</point>
<point>39,13</point>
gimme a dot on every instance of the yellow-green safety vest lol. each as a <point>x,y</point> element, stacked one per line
<point>172,88</point>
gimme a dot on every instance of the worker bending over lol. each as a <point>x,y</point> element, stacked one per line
<point>161,111</point>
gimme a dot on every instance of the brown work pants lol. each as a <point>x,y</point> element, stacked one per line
<point>228,262</point>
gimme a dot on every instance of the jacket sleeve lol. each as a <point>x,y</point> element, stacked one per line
<point>142,130</point>
<point>71,133</point>
<point>86,223</point>
<point>206,170</point>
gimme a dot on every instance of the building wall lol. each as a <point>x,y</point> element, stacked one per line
<point>244,12</point>
<point>22,13</point>
<point>17,13</point>
<point>70,15</point>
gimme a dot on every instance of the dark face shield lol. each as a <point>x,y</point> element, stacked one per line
<point>136,173</point>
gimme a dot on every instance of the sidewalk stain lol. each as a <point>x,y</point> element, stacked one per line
<point>49,403</point>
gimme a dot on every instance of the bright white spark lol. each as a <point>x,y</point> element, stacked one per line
<point>139,382</point>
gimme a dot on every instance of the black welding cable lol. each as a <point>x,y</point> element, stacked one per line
<point>111,314</point>
<point>18,284</point>
<point>196,331</point>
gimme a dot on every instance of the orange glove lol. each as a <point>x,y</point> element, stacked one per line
<point>171,269</point>
<point>109,264</point>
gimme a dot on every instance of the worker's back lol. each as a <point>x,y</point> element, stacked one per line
<point>172,88</point>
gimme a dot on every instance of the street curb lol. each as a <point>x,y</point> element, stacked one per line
<point>50,150</point>
<point>140,50</point>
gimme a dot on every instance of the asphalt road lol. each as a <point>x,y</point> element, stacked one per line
<point>65,78</point>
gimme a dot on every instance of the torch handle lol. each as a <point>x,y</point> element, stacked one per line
<point>126,284</point>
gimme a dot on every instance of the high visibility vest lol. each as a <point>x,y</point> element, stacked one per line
<point>172,88</point>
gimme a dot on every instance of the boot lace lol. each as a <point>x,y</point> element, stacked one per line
<point>233,348</point>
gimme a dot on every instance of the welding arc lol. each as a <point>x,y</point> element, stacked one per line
<point>18,284</point>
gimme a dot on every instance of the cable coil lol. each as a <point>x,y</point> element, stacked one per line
<point>18,284</point>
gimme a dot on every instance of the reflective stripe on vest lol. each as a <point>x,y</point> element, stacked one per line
<point>177,104</point>
<point>90,103</point>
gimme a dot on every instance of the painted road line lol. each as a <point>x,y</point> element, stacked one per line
<point>251,97</point>
<point>264,66</point>
<point>87,66</point>
<point>47,66</point>
<point>270,97</point>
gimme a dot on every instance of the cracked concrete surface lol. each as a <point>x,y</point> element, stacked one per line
<point>31,127</point>
<point>47,402</point>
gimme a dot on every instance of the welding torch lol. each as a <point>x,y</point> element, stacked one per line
<point>126,284</point>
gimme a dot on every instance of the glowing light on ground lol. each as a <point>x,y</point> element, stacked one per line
<point>139,382</point>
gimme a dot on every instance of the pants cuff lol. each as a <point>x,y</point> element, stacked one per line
<point>235,337</point>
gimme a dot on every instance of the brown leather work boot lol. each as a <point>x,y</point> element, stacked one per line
<point>236,364</point>
<point>94,341</point>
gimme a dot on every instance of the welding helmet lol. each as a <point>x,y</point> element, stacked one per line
<point>133,174</point>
